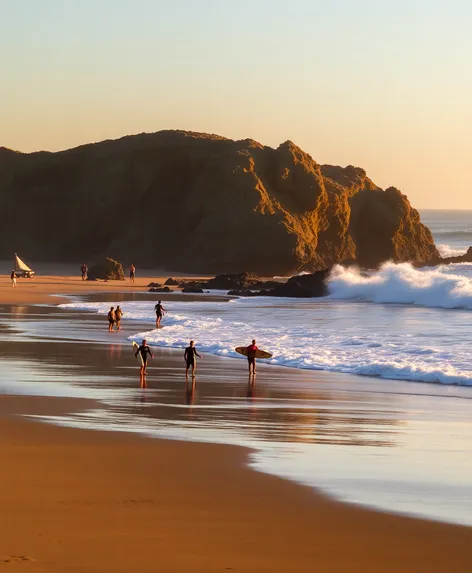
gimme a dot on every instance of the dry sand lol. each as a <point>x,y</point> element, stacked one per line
<point>38,290</point>
<point>82,501</point>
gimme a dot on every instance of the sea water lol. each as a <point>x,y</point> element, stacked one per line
<point>395,433</point>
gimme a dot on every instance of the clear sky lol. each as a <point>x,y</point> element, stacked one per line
<point>382,84</point>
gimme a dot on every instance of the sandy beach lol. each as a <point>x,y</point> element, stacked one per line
<point>39,289</point>
<point>75,500</point>
<point>79,500</point>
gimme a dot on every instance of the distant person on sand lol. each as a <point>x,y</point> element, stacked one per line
<point>132,272</point>
<point>190,355</point>
<point>118,316</point>
<point>13,279</point>
<point>160,311</point>
<point>145,352</point>
<point>111,319</point>
<point>84,271</point>
<point>251,357</point>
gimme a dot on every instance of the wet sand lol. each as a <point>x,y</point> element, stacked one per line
<point>77,500</point>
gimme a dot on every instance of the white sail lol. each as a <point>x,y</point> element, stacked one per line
<point>20,265</point>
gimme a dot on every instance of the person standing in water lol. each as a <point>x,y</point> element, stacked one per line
<point>145,353</point>
<point>13,279</point>
<point>160,311</point>
<point>111,319</point>
<point>190,355</point>
<point>132,272</point>
<point>84,271</point>
<point>118,316</point>
<point>251,357</point>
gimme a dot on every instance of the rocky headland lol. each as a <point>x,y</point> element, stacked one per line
<point>197,202</point>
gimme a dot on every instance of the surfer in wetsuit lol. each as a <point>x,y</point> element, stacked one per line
<point>251,357</point>
<point>145,352</point>
<point>118,316</point>
<point>111,319</point>
<point>190,355</point>
<point>160,311</point>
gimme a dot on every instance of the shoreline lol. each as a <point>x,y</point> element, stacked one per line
<point>259,522</point>
<point>333,385</point>
<point>186,506</point>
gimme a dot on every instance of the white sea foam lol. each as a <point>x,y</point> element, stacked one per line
<point>448,251</point>
<point>444,286</point>
<point>386,341</point>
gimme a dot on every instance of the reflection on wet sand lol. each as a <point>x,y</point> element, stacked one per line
<point>321,429</point>
<point>281,406</point>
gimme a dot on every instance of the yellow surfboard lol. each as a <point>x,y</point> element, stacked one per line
<point>259,353</point>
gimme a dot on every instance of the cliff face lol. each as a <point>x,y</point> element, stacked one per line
<point>198,202</point>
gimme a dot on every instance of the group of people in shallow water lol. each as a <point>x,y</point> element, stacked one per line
<point>190,354</point>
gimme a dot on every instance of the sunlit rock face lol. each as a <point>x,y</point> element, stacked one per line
<point>198,202</point>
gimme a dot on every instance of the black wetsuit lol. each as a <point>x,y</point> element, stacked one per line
<point>190,355</point>
<point>145,351</point>
<point>159,310</point>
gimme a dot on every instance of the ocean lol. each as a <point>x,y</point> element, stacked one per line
<point>398,323</point>
<point>377,404</point>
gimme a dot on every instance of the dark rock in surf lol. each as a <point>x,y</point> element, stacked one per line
<point>239,281</point>
<point>155,285</point>
<point>161,289</point>
<point>171,282</point>
<point>194,290</point>
<point>237,292</point>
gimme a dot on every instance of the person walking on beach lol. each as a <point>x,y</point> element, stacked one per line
<point>145,352</point>
<point>84,271</point>
<point>160,311</point>
<point>13,279</point>
<point>251,357</point>
<point>190,355</point>
<point>132,272</point>
<point>118,316</point>
<point>111,319</point>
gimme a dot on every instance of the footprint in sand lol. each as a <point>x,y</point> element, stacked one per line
<point>16,559</point>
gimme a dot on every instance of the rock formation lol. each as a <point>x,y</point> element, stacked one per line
<point>203,203</point>
<point>107,270</point>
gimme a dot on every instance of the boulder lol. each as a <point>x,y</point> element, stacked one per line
<point>156,285</point>
<point>171,282</point>
<point>108,270</point>
<point>160,289</point>
<point>246,292</point>
<point>192,284</point>
<point>195,290</point>
<point>239,281</point>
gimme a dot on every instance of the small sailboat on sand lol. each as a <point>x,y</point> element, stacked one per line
<point>22,269</point>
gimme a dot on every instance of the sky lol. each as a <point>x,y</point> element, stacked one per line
<point>381,84</point>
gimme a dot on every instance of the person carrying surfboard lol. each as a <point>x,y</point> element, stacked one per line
<point>251,357</point>
<point>190,355</point>
<point>144,351</point>
<point>160,311</point>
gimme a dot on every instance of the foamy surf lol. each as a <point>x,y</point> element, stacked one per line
<point>443,286</point>
<point>386,341</point>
